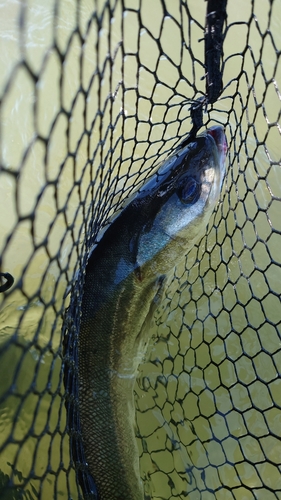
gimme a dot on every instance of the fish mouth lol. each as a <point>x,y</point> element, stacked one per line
<point>217,132</point>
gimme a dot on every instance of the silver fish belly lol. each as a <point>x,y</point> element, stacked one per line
<point>125,278</point>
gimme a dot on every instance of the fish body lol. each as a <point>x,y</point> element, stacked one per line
<point>124,282</point>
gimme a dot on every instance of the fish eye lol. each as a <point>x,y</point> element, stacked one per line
<point>189,191</point>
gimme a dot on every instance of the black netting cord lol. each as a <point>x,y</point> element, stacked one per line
<point>210,391</point>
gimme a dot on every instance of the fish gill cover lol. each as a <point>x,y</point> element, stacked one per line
<point>93,96</point>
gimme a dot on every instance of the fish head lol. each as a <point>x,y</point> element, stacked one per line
<point>182,200</point>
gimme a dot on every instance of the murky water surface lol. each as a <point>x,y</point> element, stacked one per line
<point>208,396</point>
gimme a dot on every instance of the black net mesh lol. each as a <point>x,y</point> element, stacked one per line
<point>93,96</point>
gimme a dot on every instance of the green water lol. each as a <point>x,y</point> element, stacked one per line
<point>208,395</point>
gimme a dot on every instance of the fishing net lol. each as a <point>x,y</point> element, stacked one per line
<point>93,95</point>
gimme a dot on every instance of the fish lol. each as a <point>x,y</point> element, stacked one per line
<point>124,282</point>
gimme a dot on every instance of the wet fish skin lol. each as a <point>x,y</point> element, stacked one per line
<point>124,281</point>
